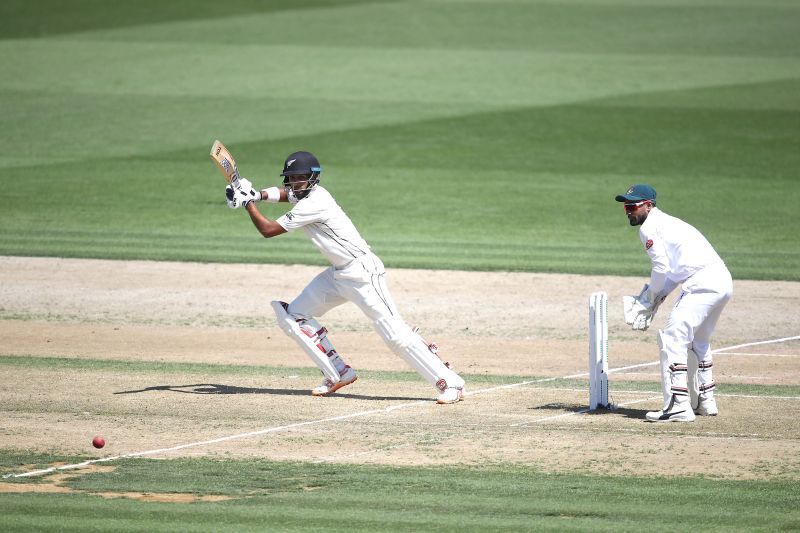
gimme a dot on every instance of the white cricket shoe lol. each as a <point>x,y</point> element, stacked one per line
<point>329,387</point>
<point>678,410</point>
<point>707,406</point>
<point>451,395</point>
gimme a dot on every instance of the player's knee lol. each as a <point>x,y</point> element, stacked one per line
<point>680,334</point>
<point>280,316</point>
<point>701,349</point>
<point>284,319</point>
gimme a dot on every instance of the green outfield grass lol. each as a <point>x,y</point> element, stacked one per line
<point>458,135</point>
<point>270,496</point>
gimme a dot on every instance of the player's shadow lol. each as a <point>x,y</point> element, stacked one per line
<point>215,388</point>
<point>583,408</point>
<point>558,406</point>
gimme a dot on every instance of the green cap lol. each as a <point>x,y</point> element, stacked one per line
<point>637,193</point>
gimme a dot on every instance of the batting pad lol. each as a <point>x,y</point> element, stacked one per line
<point>410,347</point>
<point>317,354</point>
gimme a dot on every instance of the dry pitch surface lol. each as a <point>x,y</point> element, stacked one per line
<point>509,324</point>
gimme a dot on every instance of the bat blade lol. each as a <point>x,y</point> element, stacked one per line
<point>225,163</point>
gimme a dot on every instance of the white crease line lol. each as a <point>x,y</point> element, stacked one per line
<point>214,441</point>
<point>641,365</point>
<point>520,384</point>
<point>640,392</point>
<point>760,354</point>
<point>755,396</point>
<point>759,343</point>
<point>352,415</point>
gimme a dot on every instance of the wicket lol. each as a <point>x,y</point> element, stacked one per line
<point>598,351</point>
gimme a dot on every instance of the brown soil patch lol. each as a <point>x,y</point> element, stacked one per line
<point>487,324</point>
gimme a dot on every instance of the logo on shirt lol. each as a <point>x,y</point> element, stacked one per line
<point>648,244</point>
<point>289,215</point>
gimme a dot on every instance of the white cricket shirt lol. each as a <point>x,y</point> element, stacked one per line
<point>328,227</point>
<point>676,249</point>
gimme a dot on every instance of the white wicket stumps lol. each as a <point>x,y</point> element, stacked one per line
<point>598,351</point>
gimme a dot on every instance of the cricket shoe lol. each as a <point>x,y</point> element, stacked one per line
<point>707,406</point>
<point>451,395</point>
<point>329,387</point>
<point>679,409</point>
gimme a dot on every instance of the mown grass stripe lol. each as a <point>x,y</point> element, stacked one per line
<point>475,380</point>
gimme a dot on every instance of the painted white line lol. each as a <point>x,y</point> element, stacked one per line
<point>759,343</point>
<point>640,392</point>
<point>755,396</point>
<point>214,441</point>
<point>705,434</point>
<point>360,414</point>
<point>759,354</point>
<point>641,365</point>
<point>520,384</point>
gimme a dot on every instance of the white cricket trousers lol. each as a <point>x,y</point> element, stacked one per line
<point>363,282</point>
<point>689,327</point>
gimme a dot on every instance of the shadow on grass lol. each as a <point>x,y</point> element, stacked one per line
<point>214,388</point>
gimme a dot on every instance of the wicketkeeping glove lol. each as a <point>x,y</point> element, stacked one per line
<point>638,310</point>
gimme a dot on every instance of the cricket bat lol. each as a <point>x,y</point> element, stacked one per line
<point>226,163</point>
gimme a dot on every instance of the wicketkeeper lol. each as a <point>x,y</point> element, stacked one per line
<point>680,255</point>
<point>356,275</point>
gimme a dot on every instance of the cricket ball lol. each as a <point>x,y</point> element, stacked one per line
<point>98,442</point>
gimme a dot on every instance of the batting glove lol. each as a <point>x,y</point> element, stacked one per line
<point>236,198</point>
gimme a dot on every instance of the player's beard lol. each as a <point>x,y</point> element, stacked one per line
<point>637,220</point>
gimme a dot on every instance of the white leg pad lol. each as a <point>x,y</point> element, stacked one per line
<point>666,375</point>
<point>705,369</point>
<point>692,378</point>
<point>410,347</point>
<point>306,340</point>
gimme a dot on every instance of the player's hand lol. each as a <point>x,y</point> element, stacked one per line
<point>637,314</point>
<point>631,308</point>
<point>642,321</point>
<point>237,198</point>
<point>249,194</point>
<point>231,197</point>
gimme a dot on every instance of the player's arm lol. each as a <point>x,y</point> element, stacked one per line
<point>659,285</point>
<point>266,227</point>
<point>274,195</point>
<point>246,196</point>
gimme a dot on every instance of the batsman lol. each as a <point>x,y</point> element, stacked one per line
<point>680,255</point>
<point>356,275</point>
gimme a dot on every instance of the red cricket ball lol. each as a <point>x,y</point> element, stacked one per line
<point>98,442</point>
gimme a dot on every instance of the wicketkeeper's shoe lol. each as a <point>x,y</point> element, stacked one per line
<point>679,409</point>
<point>707,406</point>
<point>451,395</point>
<point>329,387</point>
